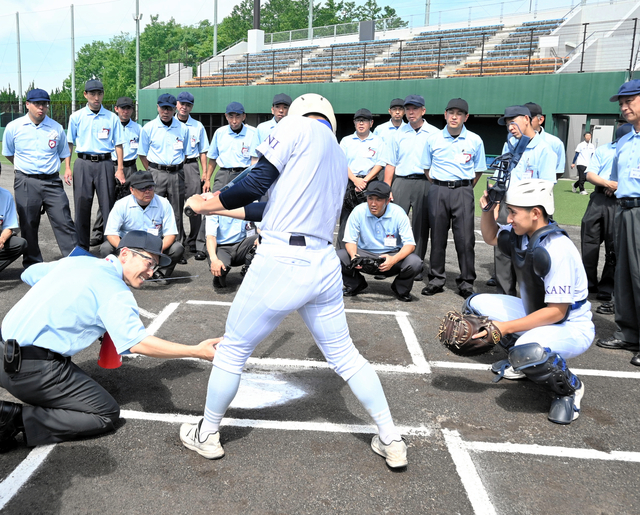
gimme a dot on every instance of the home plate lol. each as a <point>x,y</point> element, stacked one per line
<point>261,390</point>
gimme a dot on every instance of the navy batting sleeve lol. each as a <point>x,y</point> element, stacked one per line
<point>253,212</point>
<point>252,187</point>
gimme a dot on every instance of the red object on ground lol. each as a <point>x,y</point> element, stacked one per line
<point>109,357</point>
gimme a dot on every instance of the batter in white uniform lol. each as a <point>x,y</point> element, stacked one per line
<point>295,269</point>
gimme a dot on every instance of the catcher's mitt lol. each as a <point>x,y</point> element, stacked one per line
<point>369,265</point>
<point>456,330</point>
<point>353,198</point>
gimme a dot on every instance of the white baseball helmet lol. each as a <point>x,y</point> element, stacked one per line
<point>531,193</point>
<point>313,103</point>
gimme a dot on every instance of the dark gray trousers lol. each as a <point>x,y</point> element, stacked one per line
<point>222,178</point>
<point>412,194</point>
<point>234,254</point>
<point>97,233</point>
<point>175,252</point>
<point>90,177</point>
<point>405,271</point>
<point>627,274</point>
<point>193,186</point>
<point>172,186</point>
<point>13,248</point>
<point>452,208</point>
<point>65,403</point>
<point>32,195</point>
<point>505,273</point>
<point>597,227</point>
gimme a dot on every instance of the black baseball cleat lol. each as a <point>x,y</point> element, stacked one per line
<point>10,422</point>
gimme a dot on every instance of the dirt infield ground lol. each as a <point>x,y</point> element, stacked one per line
<point>296,439</point>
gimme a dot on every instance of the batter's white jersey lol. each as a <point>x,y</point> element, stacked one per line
<point>307,196</point>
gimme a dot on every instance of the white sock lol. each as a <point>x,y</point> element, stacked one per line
<point>223,387</point>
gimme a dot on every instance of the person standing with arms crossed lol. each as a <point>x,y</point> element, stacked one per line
<point>388,129</point>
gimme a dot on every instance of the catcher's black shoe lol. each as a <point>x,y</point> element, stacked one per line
<point>432,289</point>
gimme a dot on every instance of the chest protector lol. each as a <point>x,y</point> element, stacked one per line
<point>531,264</point>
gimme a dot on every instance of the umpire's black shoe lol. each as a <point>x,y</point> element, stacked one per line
<point>402,297</point>
<point>418,277</point>
<point>432,289</point>
<point>220,282</point>
<point>183,261</point>
<point>348,292</point>
<point>200,256</point>
<point>636,360</point>
<point>492,282</point>
<point>10,420</point>
<point>158,277</point>
<point>614,343</point>
<point>465,293</point>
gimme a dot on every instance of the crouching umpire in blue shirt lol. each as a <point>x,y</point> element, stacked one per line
<point>143,210</point>
<point>11,246</point>
<point>380,229</point>
<point>72,302</point>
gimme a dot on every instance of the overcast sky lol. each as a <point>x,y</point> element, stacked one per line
<point>45,27</point>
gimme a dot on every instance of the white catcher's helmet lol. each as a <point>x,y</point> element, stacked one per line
<point>531,193</point>
<point>313,103</point>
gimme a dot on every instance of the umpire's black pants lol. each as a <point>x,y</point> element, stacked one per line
<point>171,186</point>
<point>597,227</point>
<point>97,233</point>
<point>13,248</point>
<point>64,402</point>
<point>627,274</point>
<point>452,207</point>
<point>193,186</point>
<point>411,193</point>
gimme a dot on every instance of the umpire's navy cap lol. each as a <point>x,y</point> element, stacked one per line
<point>281,98</point>
<point>416,100</point>
<point>235,107</point>
<point>167,100</point>
<point>627,89</point>
<point>185,98</point>
<point>125,102</point>
<point>93,85</point>
<point>534,108</point>
<point>363,113</point>
<point>378,188</point>
<point>396,102</point>
<point>512,112</point>
<point>458,103</point>
<point>38,95</point>
<point>145,241</point>
<point>141,180</point>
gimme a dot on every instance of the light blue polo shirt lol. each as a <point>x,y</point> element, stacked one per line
<point>231,150</point>
<point>131,141</point>
<point>95,133</point>
<point>626,165</point>
<point>602,160</point>
<point>198,142</point>
<point>363,154</point>
<point>226,230</point>
<point>8,213</point>
<point>453,159</point>
<point>35,148</point>
<point>538,161</point>
<point>558,148</point>
<point>261,133</point>
<point>369,232</point>
<point>164,145</point>
<point>387,131</point>
<point>406,149</point>
<point>127,215</point>
<point>72,302</point>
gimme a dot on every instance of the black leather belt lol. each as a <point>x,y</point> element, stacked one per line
<point>234,169</point>
<point>166,168</point>
<point>94,157</point>
<point>189,160</point>
<point>41,176</point>
<point>31,352</point>
<point>413,176</point>
<point>628,202</point>
<point>453,184</point>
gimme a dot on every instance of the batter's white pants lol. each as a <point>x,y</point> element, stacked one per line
<point>569,339</point>
<point>284,278</point>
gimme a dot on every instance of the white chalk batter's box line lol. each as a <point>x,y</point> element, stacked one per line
<point>419,366</point>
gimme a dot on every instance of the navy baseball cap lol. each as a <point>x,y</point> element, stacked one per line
<point>125,102</point>
<point>627,89</point>
<point>281,98</point>
<point>93,85</point>
<point>533,108</point>
<point>185,97</point>
<point>396,102</point>
<point>363,113</point>
<point>458,103</point>
<point>512,112</point>
<point>235,107</point>
<point>145,241</point>
<point>38,95</point>
<point>140,180</point>
<point>623,129</point>
<point>415,100</point>
<point>166,100</point>
<point>378,188</point>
